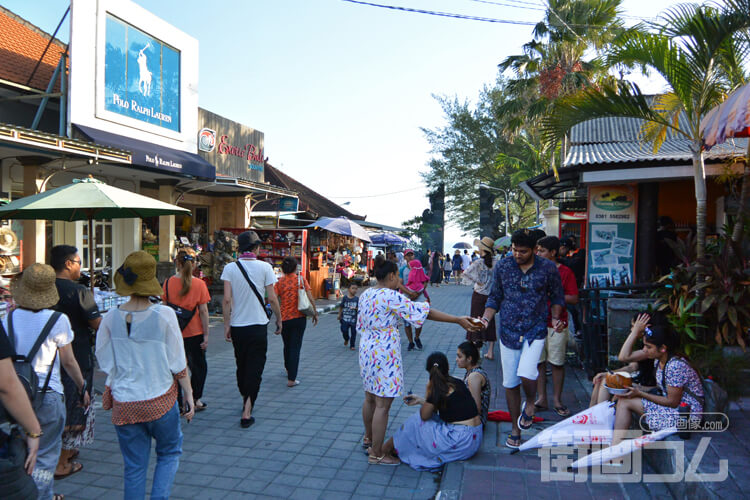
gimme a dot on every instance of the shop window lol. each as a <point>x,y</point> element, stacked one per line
<point>102,245</point>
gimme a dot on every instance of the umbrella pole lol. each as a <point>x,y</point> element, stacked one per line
<point>91,255</point>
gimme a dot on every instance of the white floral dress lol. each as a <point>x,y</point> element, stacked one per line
<point>380,363</point>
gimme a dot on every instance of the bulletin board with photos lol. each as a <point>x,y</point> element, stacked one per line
<point>613,214</point>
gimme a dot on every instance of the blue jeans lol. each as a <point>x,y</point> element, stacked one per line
<point>135,445</point>
<point>349,331</point>
<point>51,416</point>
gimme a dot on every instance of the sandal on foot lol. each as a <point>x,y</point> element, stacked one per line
<point>366,443</point>
<point>202,406</point>
<point>247,422</point>
<point>384,460</point>
<point>74,467</point>
<point>525,417</point>
<point>513,441</point>
<point>540,407</point>
<point>562,411</point>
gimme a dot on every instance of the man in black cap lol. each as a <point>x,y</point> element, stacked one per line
<point>245,319</point>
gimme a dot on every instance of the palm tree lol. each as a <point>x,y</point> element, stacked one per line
<point>697,50</point>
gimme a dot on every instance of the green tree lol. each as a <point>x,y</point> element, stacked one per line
<point>697,50</point>
<point>419,232</point>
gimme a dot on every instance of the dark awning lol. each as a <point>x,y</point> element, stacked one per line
<point>545,186</point>
<point>154,156</point>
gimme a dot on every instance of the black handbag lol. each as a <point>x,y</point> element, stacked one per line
<point>183,315</point>
<point>263,304</point>
<point>16,484</point>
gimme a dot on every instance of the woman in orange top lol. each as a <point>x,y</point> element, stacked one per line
<point>190,293</point>
<point>292,320</point>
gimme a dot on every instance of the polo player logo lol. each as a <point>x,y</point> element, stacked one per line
<point>144,79</point>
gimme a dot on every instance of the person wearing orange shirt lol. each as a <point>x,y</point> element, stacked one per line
<point>191,294</point>
<point>293,321</point>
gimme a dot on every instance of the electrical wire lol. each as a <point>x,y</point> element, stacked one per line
<point>467,16</point>
<point>501,4</point>
<point>444,14</point>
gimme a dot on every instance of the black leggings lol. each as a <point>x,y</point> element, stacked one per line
<point>291,332</point>
<point>196,361</point>
<point>250,344</point>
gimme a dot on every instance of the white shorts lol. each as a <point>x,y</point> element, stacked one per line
<point>521,362</point>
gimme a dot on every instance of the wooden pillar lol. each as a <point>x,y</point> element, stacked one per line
<point>34,240</point>
<point>645,249</point>
<point>166,222</point>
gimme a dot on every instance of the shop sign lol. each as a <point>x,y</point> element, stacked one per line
<point>132,74</point>
<point>141,76</point>
<point>288,204</point>
<point>238,150</point>
<point>612,217</point>
<point>206,140</point>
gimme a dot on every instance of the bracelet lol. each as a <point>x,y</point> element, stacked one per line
<point>34,435</point>
<point>484,320</point>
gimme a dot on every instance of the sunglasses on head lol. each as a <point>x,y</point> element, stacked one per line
<point>648,332</point>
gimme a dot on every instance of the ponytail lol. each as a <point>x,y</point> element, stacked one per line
<point>437,366</point>
<point>186,264</point>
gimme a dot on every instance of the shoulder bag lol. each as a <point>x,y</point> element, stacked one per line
<point>263,304</point>
<point>183,315</point>
<point>303,302</point>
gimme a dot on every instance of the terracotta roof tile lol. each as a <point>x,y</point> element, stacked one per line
<point>21,46</point>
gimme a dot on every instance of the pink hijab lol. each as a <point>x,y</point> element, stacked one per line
<point>417,276</point>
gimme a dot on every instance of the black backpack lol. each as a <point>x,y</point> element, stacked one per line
<point>23,366</point>
<point>184,316</point>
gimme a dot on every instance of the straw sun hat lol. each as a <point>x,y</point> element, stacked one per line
<point>485,244</point>
<point>35,287</point>
<point>137,276</point>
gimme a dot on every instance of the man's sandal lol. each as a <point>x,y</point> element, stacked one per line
<point>525,417</point>
<point>373,460</point>
<point>366,443</point>
<point>513,441</point>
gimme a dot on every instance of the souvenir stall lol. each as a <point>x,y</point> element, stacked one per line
<point>276,244</point>
<point>335,261</point>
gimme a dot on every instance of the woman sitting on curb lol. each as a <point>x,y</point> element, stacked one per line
<point>447,427</point>
<point>476,379</point>
<point>639,365</point>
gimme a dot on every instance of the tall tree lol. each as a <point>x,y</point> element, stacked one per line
<point>697,51</point>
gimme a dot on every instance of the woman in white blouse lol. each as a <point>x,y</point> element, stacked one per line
<point>479,274</point>
<point>139,346</point>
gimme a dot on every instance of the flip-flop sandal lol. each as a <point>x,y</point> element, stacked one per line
<point>373,460</point>
<point>524,416</point>
<point>513,441</point>
<point>540,407</point>
<point>366,443</point>
<point>74,467</point>
<point>202,407</point>
<point>562,411</point>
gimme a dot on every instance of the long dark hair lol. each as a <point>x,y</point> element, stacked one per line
<point>469,350</point>
<point>437,366</point>
<point>661,333</point>
<point>384,267</point>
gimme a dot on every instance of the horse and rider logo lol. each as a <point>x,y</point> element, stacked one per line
<point>144,75</point>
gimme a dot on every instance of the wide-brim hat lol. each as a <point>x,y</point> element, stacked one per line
<point>487,244</point>
<point>137,276</point>
<point>35,287</point>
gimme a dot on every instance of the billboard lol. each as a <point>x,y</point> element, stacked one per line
<point>141,75</point>
<point>235,149</point>
<point>613,214</point>
<point>133,74</point>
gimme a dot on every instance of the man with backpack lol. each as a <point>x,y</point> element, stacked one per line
<point>41,336</point>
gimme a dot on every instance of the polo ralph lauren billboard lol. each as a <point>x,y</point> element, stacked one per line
<point>141,76</point>
<point>133,74</point>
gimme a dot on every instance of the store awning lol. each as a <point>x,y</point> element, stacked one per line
<point>154,156</point>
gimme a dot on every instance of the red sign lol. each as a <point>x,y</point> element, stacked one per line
<point>249,152</point>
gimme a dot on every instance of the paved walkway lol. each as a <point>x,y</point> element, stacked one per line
<point>306,441</point>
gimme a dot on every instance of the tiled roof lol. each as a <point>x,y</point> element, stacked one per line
<point>616,140</point>
<point>21,46</point>
<point>309,200</point>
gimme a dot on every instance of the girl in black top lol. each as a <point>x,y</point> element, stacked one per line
<point>447,427</point>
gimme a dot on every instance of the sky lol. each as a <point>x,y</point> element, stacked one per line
<point>342,90</point>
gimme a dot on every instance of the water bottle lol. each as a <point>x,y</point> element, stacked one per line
<point>683,421</point>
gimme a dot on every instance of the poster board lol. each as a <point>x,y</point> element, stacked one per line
<point>613,215</point>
